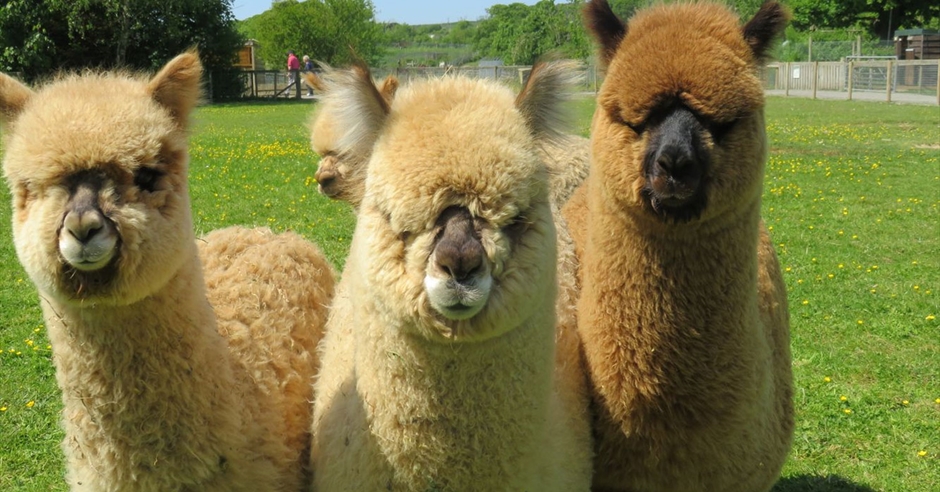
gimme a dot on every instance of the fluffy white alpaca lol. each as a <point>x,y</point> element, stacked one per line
<point>438,363</point>
<point>155,399</point>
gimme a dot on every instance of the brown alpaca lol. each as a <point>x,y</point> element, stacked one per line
<point>158,395</point>
<point>341,175</point>
<point>683,312</point>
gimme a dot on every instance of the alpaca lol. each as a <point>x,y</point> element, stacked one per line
<point>341,176</point>
<point>683,312</point>
<point>438,362</point>
<point>154,398</point>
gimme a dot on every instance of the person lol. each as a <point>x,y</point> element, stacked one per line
<point>308,67</point>
<point>293,65</point>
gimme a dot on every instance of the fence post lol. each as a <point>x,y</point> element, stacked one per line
<point>851,71</point>
<point>786,81</point>
<point>888,82</point>
<point>815,76</point>
<point>938,82</point>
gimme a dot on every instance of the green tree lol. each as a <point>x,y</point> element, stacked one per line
<point>518,34</point>
<point>332,31</point>
<point>878,17</point>
<point>40,36</point>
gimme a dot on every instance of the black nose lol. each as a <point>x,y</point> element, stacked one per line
<point>676,159</point>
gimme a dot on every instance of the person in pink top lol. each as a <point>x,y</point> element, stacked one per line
<point>293,64</point>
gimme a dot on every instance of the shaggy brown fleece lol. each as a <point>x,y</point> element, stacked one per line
<point>154,398</point>
<point>683,313</point>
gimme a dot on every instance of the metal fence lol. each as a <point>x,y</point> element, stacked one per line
<point>870,78</point>
<point>862,78</point>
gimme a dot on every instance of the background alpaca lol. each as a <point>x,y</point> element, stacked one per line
<point>342,175</point>
<point>438,368</point>
<point>683,312</point>
<point>154,398</point>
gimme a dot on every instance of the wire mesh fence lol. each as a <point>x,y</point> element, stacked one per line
<point>857,77</point>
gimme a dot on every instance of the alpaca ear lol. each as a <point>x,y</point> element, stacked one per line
<point>608,30</point>
<point>361,111</point>
<point>177,85</point>
<point>540,101</point>
<point>13,97</point>
<point>389,88</point>
<point>314,81</point>
<point>767,24</point>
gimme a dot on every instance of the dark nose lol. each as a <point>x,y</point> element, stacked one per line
<point>676,156</point>
<point>83,219</point>
<point>459,251</point>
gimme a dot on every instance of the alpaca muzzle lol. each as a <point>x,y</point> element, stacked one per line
<point>327,176</point>
<point>87,239</point>
<point>458,278</point>
<point>676,165</point>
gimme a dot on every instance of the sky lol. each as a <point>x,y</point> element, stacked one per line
<point>405,11</point>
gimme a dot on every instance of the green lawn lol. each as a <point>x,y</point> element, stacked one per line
<point>852,195</point>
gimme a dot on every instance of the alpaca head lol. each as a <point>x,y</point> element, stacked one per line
<point>340,176</point>
<point>97,164</point>
<point>455,229</point>
<point>679,131</point>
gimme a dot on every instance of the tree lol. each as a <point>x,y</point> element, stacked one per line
<point>332,31</point>
<point>40,36</point>
<point>518,34</point>
<point>878,17</point>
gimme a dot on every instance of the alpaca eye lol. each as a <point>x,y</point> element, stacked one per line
<point>720,130</point>
<point>146,178</point>
<point>517,227</point>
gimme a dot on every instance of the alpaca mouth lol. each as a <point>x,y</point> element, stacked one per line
<point>677,207</point>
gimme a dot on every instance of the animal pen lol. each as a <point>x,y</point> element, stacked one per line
<point>856,74</point>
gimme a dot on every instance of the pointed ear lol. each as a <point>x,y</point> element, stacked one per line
<point>360,110</point>
<point>13,97</point>
<point>313,81</point>
<point>389,88</point>
<point>177,85</point>
<point>768,23</point>
<point>541,100</point>
<point>608,30</point>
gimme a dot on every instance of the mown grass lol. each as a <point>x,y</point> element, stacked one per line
<point>851,194</point>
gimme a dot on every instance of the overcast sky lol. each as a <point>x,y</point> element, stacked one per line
<point>406,11</point>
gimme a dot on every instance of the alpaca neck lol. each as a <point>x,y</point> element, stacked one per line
<point>466,401</point>
<point>663,294</point>
<point>144,383</point>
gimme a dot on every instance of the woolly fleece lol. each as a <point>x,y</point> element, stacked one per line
<point>155,399</point>
<point>684,324</point>
<point>407,399</point>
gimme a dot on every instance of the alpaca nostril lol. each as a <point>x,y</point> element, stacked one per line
<point>83,225</point>
<point>460,265</point>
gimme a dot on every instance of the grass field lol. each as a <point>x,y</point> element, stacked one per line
<point>851,195</point>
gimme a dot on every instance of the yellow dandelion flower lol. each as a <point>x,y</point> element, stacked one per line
<point>827,379</point>
<point>843,398</point>
<point>861,322</point>
<point>831,275</point>
<point>3,409</point>
<point>922,453</point>
<point>30,404</point>
<point>916,287</point>
<point>930,317</point>
<point>805,301</point>
<point>841,265</point>
<point>937,401</point>
<point>905,403</point>
<point>847,411</point>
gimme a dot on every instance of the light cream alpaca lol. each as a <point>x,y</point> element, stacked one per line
<point>342,175</point>
<point>683,311</point>
<point>438,369</point>
<point>155,399</point>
